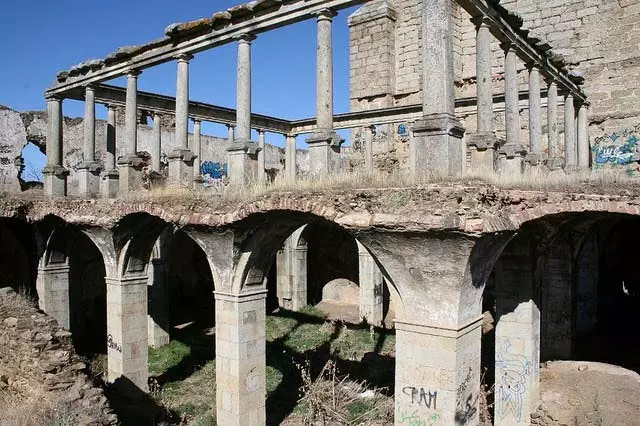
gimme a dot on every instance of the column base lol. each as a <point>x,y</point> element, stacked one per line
<point>89,179</point>
<point>437,374</point>
<point>437,147</point>
<point>482,147</point>
<point>554,163</point>
<point>130,173</point>
<point>180,168</point>
<point>324,153</point>
<point>511,159</point>
<point>243,162</point>
<point>55,181</point>
<point>109,184</point>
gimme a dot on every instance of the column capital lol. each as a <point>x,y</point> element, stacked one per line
<point>481,21</point>
<point>532,65</point>
<point>53,97</point>
<point>133,73</point>
<point>326,14</point>
<point>245,38</point>
<point>261,131</point>
<point>507,46</point>
<point>231,126</point>
<point>290,135</point>
<point>111,107</point>
<point>196,120</point>
<point>90,88</point>
<point>184,57</point>
<point>549,79</point>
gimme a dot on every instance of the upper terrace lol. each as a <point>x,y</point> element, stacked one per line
<point>439,145</point>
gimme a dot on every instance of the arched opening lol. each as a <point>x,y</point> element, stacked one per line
<point>17,256</point>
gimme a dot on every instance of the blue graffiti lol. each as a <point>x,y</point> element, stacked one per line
<point>402,130</point>
<point>618,154</point>
<point>214,170</point>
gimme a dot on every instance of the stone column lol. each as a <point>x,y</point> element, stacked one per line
<point>290,158</point>
<point>110,176</point>
<point>482,145</point>
<point>156,148</point>
<point>436,373</point>
<point>511,154</point>
<point>242,153</point>
<point>535,122</point>
<point>570,148</point>
<point>291,264</point>
<point>369,133</point>
<point>181,158</point>
<point>55,175</point>
<point>437,148</point>
<point>89,170</point>
<point>158,318</point>
<point>240,358</point>
<point>130,164</point>
<point>127,328</point>
<point>517,374</point>
<point>583,137</point>
<point>52,285</point>
<point>231,132</point>
<point>197,149</point>
<point>371,288</point>
<point>262,172</point>
<point>324,143</point>
<point>554,162</point>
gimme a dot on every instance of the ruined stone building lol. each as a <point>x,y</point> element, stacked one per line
<point>509,91</point>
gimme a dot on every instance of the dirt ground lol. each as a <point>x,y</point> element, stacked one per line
<point>588,393</point>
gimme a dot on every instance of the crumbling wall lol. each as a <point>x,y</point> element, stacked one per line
<point>13,137</point>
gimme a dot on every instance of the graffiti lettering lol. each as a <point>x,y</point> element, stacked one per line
<point>511,374</point>
<point>113,345</point>
<point>412,419</point>
<point>422,397</point>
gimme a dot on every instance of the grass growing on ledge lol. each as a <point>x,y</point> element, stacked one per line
<point>296,342</point>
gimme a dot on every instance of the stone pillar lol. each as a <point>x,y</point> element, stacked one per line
<point>89,170</point>
<point>156,148</point>
<point>583,137</point>
<point>109,180</point>
<point>436,373</point>
<point>511,155</point>
<point>290,158</point>
<point>554,162</point>
<point>52,285</point>
<point>517,374</point>
<point>371,288</point>
<point>231,132</point>
<point>240,358</point>
<point>291,264</point>
<point>243,154</point>
<point>262,172</point>
<point>197,149</point>
<point>55,175</point>
<point>181,158</point>
<point>127,329</point>
<point>369,133</point>
<point>570,148</point>
<point>130,164</point>
<point>535,122</point>
<point>482,145</point>
<point>158,304</point>
<point>437,144</point>
<point>324,143</point>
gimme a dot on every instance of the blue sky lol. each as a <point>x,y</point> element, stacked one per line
<point>41,37</point>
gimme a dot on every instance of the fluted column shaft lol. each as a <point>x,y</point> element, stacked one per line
<point>197,147</point>
<point>182,102</point>
<point>483,83</point>
<point>583,137</point>
<point>243,102</point>
<point>89,149</point>
<point>54,132</point>
<point>111,138</point>
<point>570,154</point>
<point>552,118</point>
<point>535,143</point>
<point>262,173</point>
<point>512,117</point>
<point>156,149</point>
<point>324,85</point>
<point>131,111</point>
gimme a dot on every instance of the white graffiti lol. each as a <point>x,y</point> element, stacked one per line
<point>511,375</point>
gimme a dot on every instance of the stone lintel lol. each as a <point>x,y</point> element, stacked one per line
<point>133,160</point>
<point>512,150</point>
<point>328,137</point>
<point>372,11</point>
<point>58,171</point>
<point>185,155</point>
<point>441,331</point>
<point>249,147</point>
<point>439,124</point>
<point>483,141</point>
<point>240,297</point>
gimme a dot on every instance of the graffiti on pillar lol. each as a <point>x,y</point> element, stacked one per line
<point>422,396</point>
<point>618,150</point>
<point>403,132</point>
<point>413,419</point>
<point>113,345</point>
<point>466,401</point>
<point>511,381</point>
<point>253,380</point>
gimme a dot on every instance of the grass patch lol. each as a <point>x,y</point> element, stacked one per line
<point>168,356</point>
